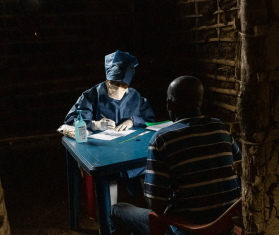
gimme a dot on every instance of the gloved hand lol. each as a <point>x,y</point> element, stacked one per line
<point>103,124</point>
<point>124,126</point>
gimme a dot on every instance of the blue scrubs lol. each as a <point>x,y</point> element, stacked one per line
<point>99,103</point>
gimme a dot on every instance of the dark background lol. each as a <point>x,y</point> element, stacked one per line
<point>53,50</point>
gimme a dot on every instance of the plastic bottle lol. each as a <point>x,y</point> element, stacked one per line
<point>80,128</point>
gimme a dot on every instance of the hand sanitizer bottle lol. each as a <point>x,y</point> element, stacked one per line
<point>80,128</point>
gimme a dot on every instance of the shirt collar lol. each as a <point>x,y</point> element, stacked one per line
<point>190,113</point>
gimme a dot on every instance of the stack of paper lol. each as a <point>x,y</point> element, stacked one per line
<point>159,126</point>
<point>110,134</point>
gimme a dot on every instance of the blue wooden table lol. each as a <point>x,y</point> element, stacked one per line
<point>103,160</point>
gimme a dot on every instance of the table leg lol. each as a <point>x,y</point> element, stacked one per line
<point>91,196</point>
<point>73,190</point>
<point>103,202</point>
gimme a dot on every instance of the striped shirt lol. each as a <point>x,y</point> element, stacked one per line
<point>189,165</point>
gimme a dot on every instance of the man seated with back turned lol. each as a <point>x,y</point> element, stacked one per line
<point>189,166</point>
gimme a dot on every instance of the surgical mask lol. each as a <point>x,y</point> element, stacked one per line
<point>115,92</point>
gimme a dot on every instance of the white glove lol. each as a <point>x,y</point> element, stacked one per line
<point>124,126</point>
<point>103,124</point>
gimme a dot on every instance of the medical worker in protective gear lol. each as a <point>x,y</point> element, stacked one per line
<point>115,105</point>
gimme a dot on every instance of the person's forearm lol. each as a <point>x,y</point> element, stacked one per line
<point>138,121</point>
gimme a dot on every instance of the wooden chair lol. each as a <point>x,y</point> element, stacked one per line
<point>158,223</point>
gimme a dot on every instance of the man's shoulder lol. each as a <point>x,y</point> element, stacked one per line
<point>166,131</point>
<point>183,127</point>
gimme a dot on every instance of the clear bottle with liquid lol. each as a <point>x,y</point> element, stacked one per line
<point>80,128</point>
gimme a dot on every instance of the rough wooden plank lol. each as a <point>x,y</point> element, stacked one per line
<point>223,91</point>
<point>193,16</point>
<point>215,26</point>
<point>215,40</point>
<point>220,78</point>
<point>225,106</point>
<point>221,11</point>
<point>191,1</point>
<point>222,61</point>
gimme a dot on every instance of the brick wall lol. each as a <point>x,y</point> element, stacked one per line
<point>207,46</point>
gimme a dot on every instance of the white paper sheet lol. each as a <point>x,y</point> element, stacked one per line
<point>159,126</point>
<point>110,134</point>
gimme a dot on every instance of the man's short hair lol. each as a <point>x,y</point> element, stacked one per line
<point>186,91</point>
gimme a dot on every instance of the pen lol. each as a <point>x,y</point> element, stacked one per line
<point>135,137</point>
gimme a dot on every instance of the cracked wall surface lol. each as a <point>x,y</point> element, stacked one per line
<point>271,171</point>
<point>261,193</point>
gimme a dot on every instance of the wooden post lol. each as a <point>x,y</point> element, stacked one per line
<point>4,223</point>
<point>254,114</point>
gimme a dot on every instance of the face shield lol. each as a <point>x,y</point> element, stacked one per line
<point>116,91</point>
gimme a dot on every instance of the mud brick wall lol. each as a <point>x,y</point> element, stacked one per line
<point>208,40</point>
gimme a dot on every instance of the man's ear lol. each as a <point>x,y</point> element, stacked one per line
<point>170,105</point>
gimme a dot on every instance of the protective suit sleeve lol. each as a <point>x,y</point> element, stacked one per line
<point>146,114</point>
<point>85,102</point>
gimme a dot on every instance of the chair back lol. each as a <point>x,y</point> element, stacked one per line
<point>158,223</point>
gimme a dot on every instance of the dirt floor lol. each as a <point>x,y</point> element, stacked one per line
<point>35,185</point>
<point>46,212</point>
<point>47,215</point>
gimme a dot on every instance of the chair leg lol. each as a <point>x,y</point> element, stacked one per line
<point>91,197</point>
<point>113,187</point>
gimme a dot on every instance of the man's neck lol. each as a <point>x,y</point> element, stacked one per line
<point>188,113</point>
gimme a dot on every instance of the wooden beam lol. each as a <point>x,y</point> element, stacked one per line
<point>224,106</point>
<point>214,26</point>
<point>223,91</point>
<point>220,78</point>
<point>214,40</point>
<point>222,61</point>
<point>193,16</point>
<point>221,11</point>
<point>233,127</point>
<point>191,1</point>
<point>254,110</point>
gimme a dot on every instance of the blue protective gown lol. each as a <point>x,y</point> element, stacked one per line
<point>99,103</point>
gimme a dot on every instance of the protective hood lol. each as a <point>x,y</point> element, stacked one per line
<point>120,66</point>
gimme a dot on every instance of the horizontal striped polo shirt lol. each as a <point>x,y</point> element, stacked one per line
<point>189,165</point>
